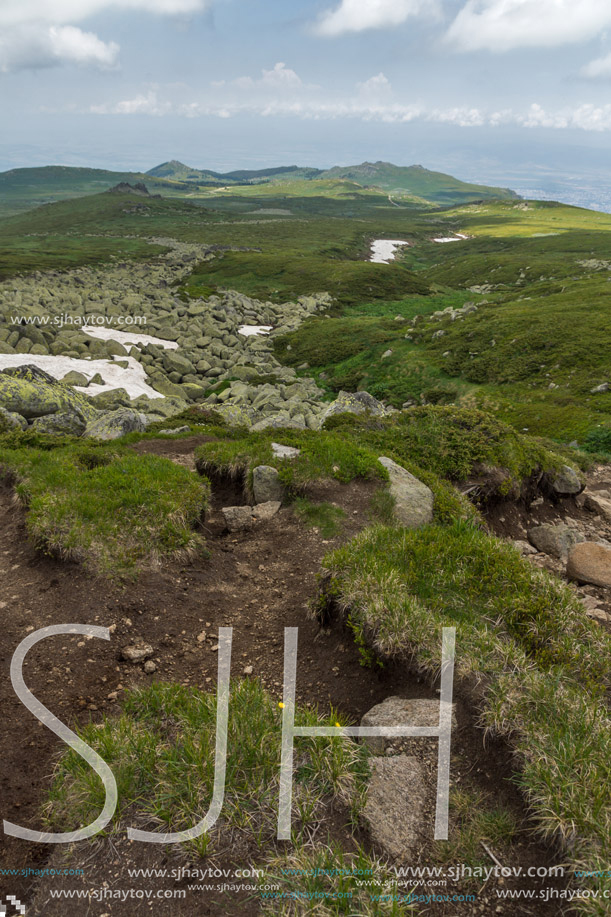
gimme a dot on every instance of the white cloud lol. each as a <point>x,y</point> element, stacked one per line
<point>19,12</point>
<point>375,85</point>
<point>280,77</point>
<point>321,106</point>
<point>34,47</point>
<point>598,69</point>
<point>361,15</point>
<point>500,25</point>
<point>143,104</point>
<point>41,33</point>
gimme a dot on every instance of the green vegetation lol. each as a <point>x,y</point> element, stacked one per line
<point>326,517</point>
<point>106,506</point>
<point>539,667</point>
<point>323,455</point>
<point>162,753</point>
<point>288,275</point>
<point>354,883</point>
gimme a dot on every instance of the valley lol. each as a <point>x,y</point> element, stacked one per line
<point>285,400</point>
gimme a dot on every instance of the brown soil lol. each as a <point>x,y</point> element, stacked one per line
<point>259,582</point>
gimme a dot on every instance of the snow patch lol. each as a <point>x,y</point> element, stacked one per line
<point>127,337</point>
<point>459,237</point>
<point>250,330</point>
<point>131,378</point>
<point>383,250</point>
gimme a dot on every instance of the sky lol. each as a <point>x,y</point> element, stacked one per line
<point>510,91</point>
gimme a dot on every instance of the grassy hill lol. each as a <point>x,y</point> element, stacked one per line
<point>22,189</point>
<point>416,181</point>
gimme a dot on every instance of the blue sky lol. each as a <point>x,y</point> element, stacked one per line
<point>484,88</point>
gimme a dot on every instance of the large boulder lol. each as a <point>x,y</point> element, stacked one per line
<point>114,424</point>
<point>33,393</point>
<point>590,562</point>
<point>266,484</point>
<point>555,540</point>
<point>355,403</point>
<point>64,423</point>
<point>413,499</point>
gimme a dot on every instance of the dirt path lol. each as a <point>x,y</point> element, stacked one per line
<point>259,582</point>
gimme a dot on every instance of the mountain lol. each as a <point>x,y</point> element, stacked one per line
<point>22,189</point>
<point>417,181</point>
<point>178,171</point>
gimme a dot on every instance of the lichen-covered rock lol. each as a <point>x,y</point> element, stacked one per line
<point>413,500</point>
<point>10,421</point>
<point>64,423</point>
<point>114,424</point>
<point>355,403</point>
<point>400,711</point>
<point>32,395</point>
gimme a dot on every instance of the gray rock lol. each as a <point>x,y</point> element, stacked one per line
<point>65,423</point>
<point>396,805</point>
<point>137,652</point>
<point>264,511</point>
<point>266,485</point>
<point>176,430</point>
<point>173,362</point>
<point>413,499</point>
<point>150,667</point>
<point>599,389</point>
<point>281,451</point>
<point>596,503</point>
<point>565,482</point>
<point>400,711</point>
<point>524,547</point>
<point>238,518</point>
<point>555,540</point>
<point>115,424</point>
<point>590,563</point>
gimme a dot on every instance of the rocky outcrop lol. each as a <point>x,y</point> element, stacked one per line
<point>413,500</point>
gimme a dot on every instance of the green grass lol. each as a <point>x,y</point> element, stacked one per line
<point>538,669</point>
<point>323,456</point>
<point>105,506</point>
<point>283,276</point>
<point>327,881</point>
<point>327,518</point>
<point>455,443</point>
<point>161,751</point>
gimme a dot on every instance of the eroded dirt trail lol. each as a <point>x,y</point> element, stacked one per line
<point>258,582</point>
